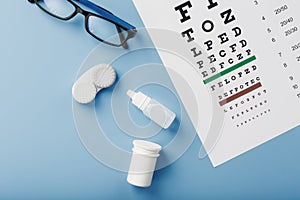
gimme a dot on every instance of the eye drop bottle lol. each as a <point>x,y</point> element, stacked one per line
<point>157,112</point>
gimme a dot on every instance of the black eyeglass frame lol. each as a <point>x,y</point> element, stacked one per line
<point>106,15</point>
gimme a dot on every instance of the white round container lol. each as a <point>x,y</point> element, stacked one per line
<point>143,163</point>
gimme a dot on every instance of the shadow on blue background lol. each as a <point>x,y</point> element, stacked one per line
<point>42,156</point>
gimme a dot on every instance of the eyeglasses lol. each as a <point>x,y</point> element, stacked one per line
<point>102,25</point>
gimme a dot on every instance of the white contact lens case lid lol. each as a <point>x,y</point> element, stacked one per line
<point>92,81</point>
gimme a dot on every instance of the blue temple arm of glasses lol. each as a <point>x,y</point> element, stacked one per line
<point>105,13</point>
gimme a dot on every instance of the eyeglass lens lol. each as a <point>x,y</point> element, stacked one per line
<point>97,26</point>
<point>60,8</point>
<point>106,30</point>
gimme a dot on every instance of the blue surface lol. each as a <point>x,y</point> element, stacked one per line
<point>42,156</point>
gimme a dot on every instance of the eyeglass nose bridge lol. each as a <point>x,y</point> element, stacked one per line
<point>81,11</point>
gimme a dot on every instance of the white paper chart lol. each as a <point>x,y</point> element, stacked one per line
<point>251,51</point>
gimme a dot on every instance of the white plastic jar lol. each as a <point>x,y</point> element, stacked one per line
<point>143,163</point>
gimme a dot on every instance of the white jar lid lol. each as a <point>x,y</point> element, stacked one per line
<point>147,146</point>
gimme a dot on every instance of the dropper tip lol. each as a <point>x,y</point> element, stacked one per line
<point>130,93</point>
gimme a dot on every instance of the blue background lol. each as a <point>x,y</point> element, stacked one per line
<point>41,156</point>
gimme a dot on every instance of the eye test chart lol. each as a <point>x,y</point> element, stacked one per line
<point>249,62</point>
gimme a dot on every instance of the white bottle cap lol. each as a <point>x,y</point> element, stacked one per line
<point>130,93</point>
<point>143,163</point>
<point>138,99</point>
